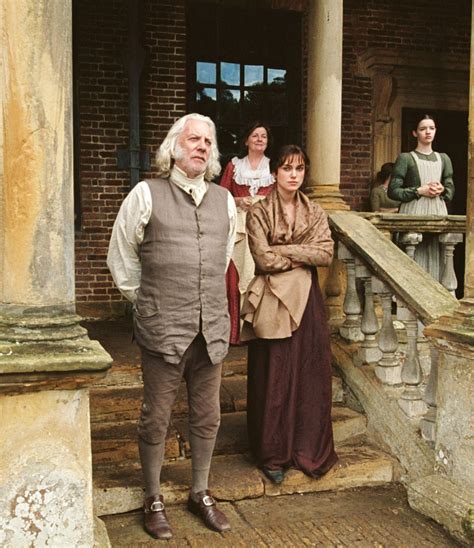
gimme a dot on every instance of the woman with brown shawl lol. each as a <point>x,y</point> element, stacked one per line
<point>289,364</point>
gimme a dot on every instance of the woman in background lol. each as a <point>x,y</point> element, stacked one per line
<point>289,357</point>
<point>248,179</point>
<point>379,201</point>
<point>423,181</point>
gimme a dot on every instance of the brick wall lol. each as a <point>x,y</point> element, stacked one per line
<point>424,26</point>
<point>100,33</point>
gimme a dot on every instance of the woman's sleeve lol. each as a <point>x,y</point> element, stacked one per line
<point>317,251</point>
<point>266,259</point>
<point>227,177</point>
<point>447,179</point>
<point>374,199</point>
<point>396,189</point>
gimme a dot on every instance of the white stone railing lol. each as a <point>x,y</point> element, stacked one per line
<point>380,278</point>
<point>411,229</point>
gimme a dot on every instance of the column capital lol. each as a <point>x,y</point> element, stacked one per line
<point>329,196</point>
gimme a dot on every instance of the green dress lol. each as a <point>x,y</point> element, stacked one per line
<point>380,200</point>
<point>412,170</point>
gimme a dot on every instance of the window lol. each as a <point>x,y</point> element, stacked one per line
<point>244,65</point>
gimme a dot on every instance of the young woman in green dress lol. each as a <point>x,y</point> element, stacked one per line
<point>422,180</point>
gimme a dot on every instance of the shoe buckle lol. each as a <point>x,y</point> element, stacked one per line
<point>207,500</point>
<point>157,506</point>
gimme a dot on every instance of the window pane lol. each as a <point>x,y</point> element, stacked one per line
<point>277,105</point>
<point>228,138</point>
<point>276,77</point>
<point>253,75</point>
<point>253,106</point>
<point>230,73</point>
<point>206,93</point>
<point>206,100</point>
<point>229,106</point>
<point>205,73</point>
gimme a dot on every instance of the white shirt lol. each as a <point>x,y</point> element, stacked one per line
<point>123,257</point>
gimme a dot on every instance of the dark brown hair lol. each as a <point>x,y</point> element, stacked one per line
<point>288,151</point>
<point>251,128</point>
<point>384,173</point>
<point>417,121</point>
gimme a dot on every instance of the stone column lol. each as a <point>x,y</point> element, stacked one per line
<point>446,496</point>
<point>46,358</point>
<point>324,103</point>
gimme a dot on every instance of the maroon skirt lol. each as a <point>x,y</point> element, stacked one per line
<point>289,395</point>
<point>233,299</point>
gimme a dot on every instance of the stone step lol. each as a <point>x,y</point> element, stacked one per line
<point>121,400</point>
<point>116,442</point>
<point>235,477</point>
<point>232,437</point>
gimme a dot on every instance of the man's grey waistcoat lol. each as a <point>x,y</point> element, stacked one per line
<point>183,260</point>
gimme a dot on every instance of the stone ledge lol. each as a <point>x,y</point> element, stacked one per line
<point>71,355</point>
<point>448,503</point>
<point>235,477</point>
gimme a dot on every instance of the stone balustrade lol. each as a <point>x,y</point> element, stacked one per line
<point>411,229</point>
<point>388,301</point>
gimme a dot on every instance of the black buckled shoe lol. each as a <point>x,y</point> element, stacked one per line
<point>155,520</point>
<point>207,510</point>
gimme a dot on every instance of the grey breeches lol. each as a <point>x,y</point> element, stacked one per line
<point>161,382</point>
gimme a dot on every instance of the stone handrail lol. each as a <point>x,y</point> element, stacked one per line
<point>398,222</point>
<point>428,299</point>
<point>376,266</point>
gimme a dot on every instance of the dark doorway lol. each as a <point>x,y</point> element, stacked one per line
<point>244,64</point>
<point>451,138</point>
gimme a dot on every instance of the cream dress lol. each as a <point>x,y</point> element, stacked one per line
<point>427,252</point>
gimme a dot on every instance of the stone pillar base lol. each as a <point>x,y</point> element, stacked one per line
<point>328,197</point>
<point>428,427</point>
<point>351,333</point>
<point>412,407</point>
<point>369,354</point>
<point>46,466</point>
<point>450,504</point>
<point>389,374</point>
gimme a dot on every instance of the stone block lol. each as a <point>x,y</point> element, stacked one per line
<point>357,467</point>
<point>45,469</point>
<point>447,502</point>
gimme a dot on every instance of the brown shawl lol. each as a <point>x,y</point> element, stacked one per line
<point>277,296</point>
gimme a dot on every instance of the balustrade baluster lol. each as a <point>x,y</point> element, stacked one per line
<point>388,369</point>
<point>448,242</point>
<point>428,422</point>
<point>350,329</point>
<point>369,351</point>
<point>410,240</point>
<point>411,400</point>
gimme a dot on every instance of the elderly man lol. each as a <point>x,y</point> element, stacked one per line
<point>170,247</point>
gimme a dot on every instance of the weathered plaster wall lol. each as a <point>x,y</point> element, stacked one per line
<point>45,469</point>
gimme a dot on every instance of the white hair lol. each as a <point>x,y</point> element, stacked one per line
<point>169,149</point>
